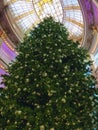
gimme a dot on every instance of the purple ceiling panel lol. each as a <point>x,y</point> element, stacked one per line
<point>8,51</point>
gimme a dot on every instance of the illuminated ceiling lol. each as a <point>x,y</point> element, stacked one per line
<point>28,13</point>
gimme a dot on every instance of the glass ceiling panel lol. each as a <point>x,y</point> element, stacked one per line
<point>17,9</point>
<point>28,13</point>
<point>73,28</point>
<point>68,2</point>
<point>77,15</point>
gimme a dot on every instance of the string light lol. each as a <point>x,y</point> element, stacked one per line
<point>2,67</point>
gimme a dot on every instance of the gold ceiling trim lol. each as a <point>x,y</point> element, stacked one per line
<point>74,21</point>
<point>72,7</point>
<point>24,15</point>
<point>13,1</point>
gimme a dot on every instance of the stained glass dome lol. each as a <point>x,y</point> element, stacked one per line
<point>28,13</point>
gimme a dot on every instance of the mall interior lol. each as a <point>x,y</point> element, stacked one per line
<point>18,17</point>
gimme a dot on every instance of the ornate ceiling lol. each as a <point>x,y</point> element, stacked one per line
<point>25,14</point>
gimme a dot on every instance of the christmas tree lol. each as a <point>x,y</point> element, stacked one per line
<point>50,85</point>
